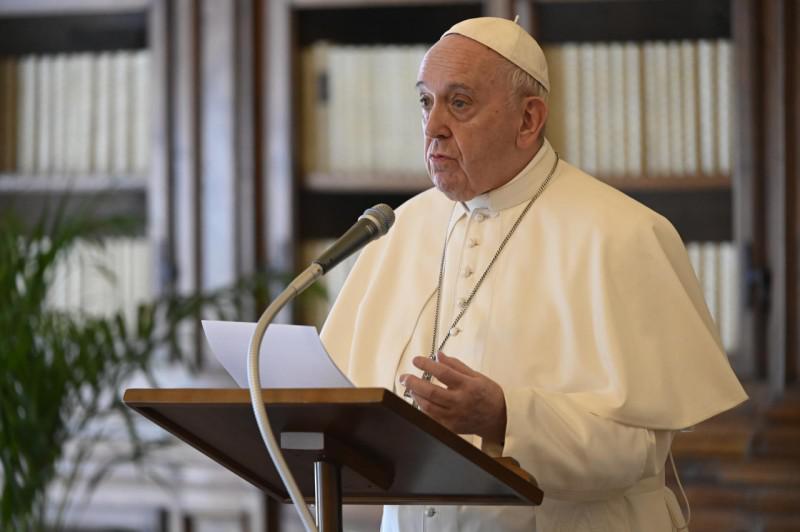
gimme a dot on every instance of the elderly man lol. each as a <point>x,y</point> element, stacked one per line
<point>530,307</point>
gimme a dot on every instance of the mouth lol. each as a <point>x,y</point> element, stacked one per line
<point>438,157</point>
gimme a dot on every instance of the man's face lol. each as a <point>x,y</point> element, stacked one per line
<point>469,119</point>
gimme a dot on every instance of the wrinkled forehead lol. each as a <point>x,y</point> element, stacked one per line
<point>459,59</point>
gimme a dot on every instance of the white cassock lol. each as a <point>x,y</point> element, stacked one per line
<point>591,320</point>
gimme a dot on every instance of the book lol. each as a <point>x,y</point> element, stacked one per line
<point>362,142</point>
<point>120,113</point>
<point>28,119</point>
<point>633,110</point>
<point>140,112</point>
<point>555,130</point>
<point>729,296</point>
<point>616,111</point>
<point>710,258</point>
<point>315,99</point>
<point>338,109</point>
<point>603,112</point>
<point>651,102</point>
<point>706,92</point>
<point>84,103</point>
<point>588,109</point>
<point>102,117</point>
<point>693,249</point>
<point>5,111</point>
<point>60,103</point>
<point>45,114</point>
<point>659,113</point>
<point>675,163</point>
<point>71,115</point>
<point>386,118</point>
<point>572,104</point>
<point>689,121</point>
<point>412,154</point>
<point>723,111</point>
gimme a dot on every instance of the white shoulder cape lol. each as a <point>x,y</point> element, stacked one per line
<point>599,303</point>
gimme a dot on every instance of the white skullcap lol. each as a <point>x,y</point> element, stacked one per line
<point>508,39</point>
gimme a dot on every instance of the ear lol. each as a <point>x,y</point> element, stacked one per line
<point>534,116</point>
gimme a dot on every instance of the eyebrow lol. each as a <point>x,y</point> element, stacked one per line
<point>450,87</point>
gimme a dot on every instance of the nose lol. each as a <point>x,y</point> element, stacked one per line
<point>435,124</point>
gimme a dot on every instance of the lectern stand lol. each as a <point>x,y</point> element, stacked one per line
<point>354,445</point>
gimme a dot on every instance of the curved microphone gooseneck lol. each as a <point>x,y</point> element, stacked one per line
<point>374,223</point>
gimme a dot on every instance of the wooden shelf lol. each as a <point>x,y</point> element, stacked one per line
<point>701,208</point>
<point>677,183</point>
<point>41,31</point>
<point>338,182</point>
<point>625,20</point>
<point>366,182</point>
<point>336,4</point>
<point>23,184</point>
<point>373,22</point>
<point>105,196</point>
<point>55,7</point>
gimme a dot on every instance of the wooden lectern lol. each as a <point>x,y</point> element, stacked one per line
<point>353,445</point>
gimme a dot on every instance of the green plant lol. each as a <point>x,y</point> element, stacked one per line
<point>61,373</point>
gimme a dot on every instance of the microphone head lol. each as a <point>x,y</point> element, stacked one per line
<point>382,215</point>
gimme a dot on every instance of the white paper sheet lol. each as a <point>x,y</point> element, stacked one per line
<point>292,356</point>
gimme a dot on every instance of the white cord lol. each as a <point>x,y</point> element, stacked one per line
<point>683,493</point>
<point>300,283</point>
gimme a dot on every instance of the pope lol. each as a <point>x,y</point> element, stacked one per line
<point>531,308</point>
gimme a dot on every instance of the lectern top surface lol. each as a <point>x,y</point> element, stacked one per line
<point>428,462</point>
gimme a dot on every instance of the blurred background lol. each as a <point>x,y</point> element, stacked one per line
<point>239,137</point>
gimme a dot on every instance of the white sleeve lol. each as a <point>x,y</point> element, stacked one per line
<point>574,452</point>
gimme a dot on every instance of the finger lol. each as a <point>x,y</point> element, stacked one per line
<point>456,364</point>
<point>429,391</point>
<point>446,374</point>
<point>432,409</point>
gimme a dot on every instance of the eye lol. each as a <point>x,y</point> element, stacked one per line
<point>424,101</point>
<point>460,104</point>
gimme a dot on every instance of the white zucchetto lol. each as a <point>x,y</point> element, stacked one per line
<point>508,39</point>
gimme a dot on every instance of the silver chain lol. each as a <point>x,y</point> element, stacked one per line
<point>426,375</point>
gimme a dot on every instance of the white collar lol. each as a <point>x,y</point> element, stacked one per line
<point>520,189</point>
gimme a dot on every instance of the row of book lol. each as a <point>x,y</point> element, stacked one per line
<point>643,109</point>
<point>716,265</point>
<point>718,269</point>
<point>102,279</point>
<point>616,109</point>
<point>75,114</point>
<point>359,110</point>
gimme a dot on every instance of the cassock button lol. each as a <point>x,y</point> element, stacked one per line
<point>467,271</point>
<point>430,511</point>
<point>480,217</point>
<point>472,242</point>
<point>454,331</point>
<point>462,302</point>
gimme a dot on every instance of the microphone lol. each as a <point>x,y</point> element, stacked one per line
<point>374,223</point>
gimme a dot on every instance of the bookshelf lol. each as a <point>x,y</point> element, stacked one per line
<point>647,106</point>
<point>329,191</point>
<point>334,197</point>
<point>87,127</point>
<point>388,22</point>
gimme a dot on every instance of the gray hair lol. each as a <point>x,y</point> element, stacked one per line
<point>523,84</point>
